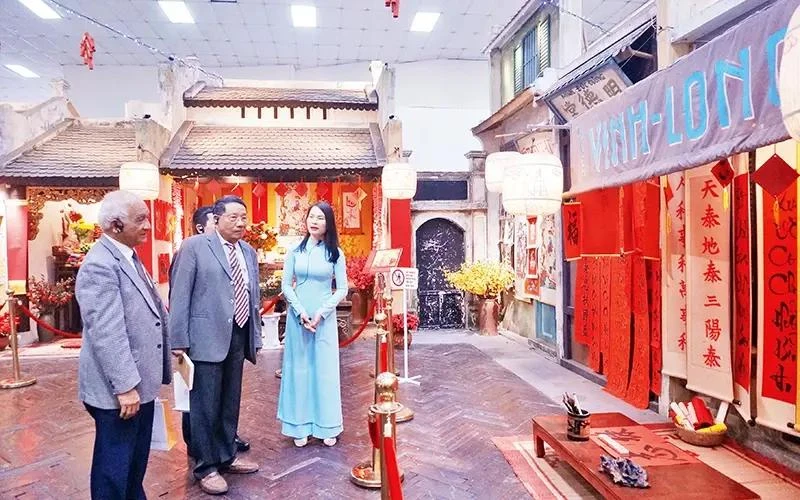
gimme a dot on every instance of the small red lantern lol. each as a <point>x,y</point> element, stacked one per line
<point>87,50</point>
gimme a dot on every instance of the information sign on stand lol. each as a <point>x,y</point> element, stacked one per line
<point>405,279</point>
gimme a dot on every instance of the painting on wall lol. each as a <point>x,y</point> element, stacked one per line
<point>353,196</point>
<point>533,263</point>
<point>547,253</point>
<point>521,244</point>
<point>293,202</point>
<point>533,232</point>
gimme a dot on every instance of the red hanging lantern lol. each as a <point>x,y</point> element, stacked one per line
<point>88,50</point>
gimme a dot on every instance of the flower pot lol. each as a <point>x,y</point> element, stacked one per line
<point>3,343</point>
<point>398,339</point>
<point>488,312</point>
<point>44,334</point>
<point>360,302</point>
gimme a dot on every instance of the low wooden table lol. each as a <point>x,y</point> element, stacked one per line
<point>683,480</point>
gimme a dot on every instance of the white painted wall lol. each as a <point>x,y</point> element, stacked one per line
<point>103,92</point>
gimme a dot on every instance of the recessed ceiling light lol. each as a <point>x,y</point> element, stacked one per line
<point>22,71</point>
<point>40,8</point>
<point>176,11</point>
<point>304,16</point>
<point>424,21</point>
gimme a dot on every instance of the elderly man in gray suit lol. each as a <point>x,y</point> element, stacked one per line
<point>125,354</point>
<point>214,318</point>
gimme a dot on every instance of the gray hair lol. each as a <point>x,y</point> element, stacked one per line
<point>115,207</point>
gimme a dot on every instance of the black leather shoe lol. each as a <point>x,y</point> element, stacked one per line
<point>241,445</point>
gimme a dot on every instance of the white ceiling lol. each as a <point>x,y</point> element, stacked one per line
<point>259,33</point>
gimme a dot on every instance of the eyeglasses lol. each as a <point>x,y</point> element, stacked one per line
<point>235,218</point>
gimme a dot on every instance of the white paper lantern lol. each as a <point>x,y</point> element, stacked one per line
<point>496,164</point>
<point>399,181</point>
<point>533,186</point>
<point>789,82</point>
<point>140,178</point>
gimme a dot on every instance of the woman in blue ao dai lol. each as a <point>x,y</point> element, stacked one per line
<point>310,400</point>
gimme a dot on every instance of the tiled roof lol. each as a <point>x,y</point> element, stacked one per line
<point>79,151</point>
<point>269,148</point>
<point>281,97</point>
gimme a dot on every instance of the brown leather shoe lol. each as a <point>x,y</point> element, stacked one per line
<point>214,484</point>
<point>241,466</point>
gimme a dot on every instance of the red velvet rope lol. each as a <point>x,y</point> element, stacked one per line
<point>360,329</point>
<point>50,328</point>
<point>268,307</point>
<point>374,432</point>
<point>384,357</point>
<point>392,470</point>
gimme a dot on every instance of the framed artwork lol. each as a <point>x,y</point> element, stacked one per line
<point>383,259</point>
<point>521,243</point>
<point>532,287</point>
<point>293,202</point>
<point>547,253</point>
<point>533,232</point>
<point>533,262</point>
<point>353,196</point>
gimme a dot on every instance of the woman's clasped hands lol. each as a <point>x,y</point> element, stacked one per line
<point>310,324</point>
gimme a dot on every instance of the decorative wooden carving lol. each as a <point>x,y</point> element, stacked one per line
<point>38,196</point>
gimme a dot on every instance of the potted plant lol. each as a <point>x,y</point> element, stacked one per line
<point>412,320</point>
<point>46,298</point>
<point>486,281</point>
<point>5,329</point>
<point>361,283</point>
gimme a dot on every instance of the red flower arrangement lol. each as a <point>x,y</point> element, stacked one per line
<point>357,274</point>
<point>397,322</point>
<point>46,297</point>
<point>74,216</point>
<point>5,324</point>
<point>260,236</point>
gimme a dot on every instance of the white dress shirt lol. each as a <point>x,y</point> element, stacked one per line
<point>124,249</point>
<point>239,255</point>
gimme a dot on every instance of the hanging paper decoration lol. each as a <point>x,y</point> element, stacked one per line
<point>87,50</point>
<point>742,304</point>
<point>582,281</point>
<point>638,393</point>
<point>775,175</point>
<point>301,188</point>
<point>377,215</point>
<point>163,268</point>
<point>595,319</point>
<point>674,331</point>
<point>654,301</point>
<point>600,232</point>
<point>259,191</point>
<point>601,346</point>
<point>723,172</point>
<point>571,218</point>
<point>177,203</point>
<point>214,188</point>
<point>237,190</point>
<point>281,189</point>
<point>325,192</point>
<point>710,368</point>
<point>394,6</point>
<point>260,202</point>
<point>618,358</point>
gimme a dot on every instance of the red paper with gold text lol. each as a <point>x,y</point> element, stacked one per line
<point>582,281</point>
<point>618,356</point>
<point>780,297</point>
<point>599,227</point>
<point>571,219</point>
<point>654,302</point>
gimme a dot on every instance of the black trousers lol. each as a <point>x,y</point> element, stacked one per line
<point>121,451</point>
<point>214,407</point>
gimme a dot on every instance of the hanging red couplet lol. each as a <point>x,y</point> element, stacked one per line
<point>742,312</point>
<point>654,301</point>
<point>618,356</point>
<point>780,295</point>
<point>571,218</point>
<point>581,328</point>
<point>639,386</point>
<point>595,312</point>
<point>600,226</point>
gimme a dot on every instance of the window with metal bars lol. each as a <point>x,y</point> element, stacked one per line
<point>532,55</point>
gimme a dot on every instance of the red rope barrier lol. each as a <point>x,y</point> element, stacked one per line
<point>374,430</point>
<point>384,357</point>
<point>361,328</point>
<point>392,470</point>
<point>50,328</point>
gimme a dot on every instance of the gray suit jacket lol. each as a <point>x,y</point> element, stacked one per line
<point>201,300</point>
<point>125,342</point>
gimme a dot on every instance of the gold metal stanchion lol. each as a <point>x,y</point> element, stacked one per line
<point>17,380</point>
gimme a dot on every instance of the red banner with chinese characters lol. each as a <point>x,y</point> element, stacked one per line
<point>618,357</point>
<point>779,222</point>
<point>571,218</point>
<point>638,393</point>
<point>742,303</point>
<point>674,299</point>
<point>595,268</point>
<point>581,327</point>
<point>654,302</point>
<point>16,218</point>
<point>708,245</point>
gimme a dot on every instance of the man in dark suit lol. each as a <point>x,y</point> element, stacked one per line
<point>203,222</point>
<point>125,354</point>
<point>214,319</point>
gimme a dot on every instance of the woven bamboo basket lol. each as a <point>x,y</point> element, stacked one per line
<point>706,439</point>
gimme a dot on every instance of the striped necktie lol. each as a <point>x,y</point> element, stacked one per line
<point>241,297</point>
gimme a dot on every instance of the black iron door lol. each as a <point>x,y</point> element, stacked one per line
<point>440,248</point>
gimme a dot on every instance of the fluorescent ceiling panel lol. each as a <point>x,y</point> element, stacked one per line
<point>176,11</point>
<point>41,9</point>
<point>304,16</point>
<point>22,71</point>
<point>424,21</point>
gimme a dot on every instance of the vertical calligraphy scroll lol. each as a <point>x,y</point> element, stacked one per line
<point>654,303</point>
<point>582,283</point>
<point>709,365</point>
<point>619,357</point>
<point>595,312</point>
<point>674,317</point>
<point>571,220</point>
<point>777,304</point>
<point>742,303</point>
<point>639,385</point>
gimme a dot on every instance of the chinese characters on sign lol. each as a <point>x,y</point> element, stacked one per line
<point>742,317</point>
<point>674,333</point>
<point>708,289</point>
<point>780,295</point>
<point>587,93</point>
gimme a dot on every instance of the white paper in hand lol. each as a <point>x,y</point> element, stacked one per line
<point>182,382</point>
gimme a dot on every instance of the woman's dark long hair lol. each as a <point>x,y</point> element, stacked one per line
<point>331,239</point>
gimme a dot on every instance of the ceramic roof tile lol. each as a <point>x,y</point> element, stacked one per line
<point>269,148</point>
<point>78,151</point>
